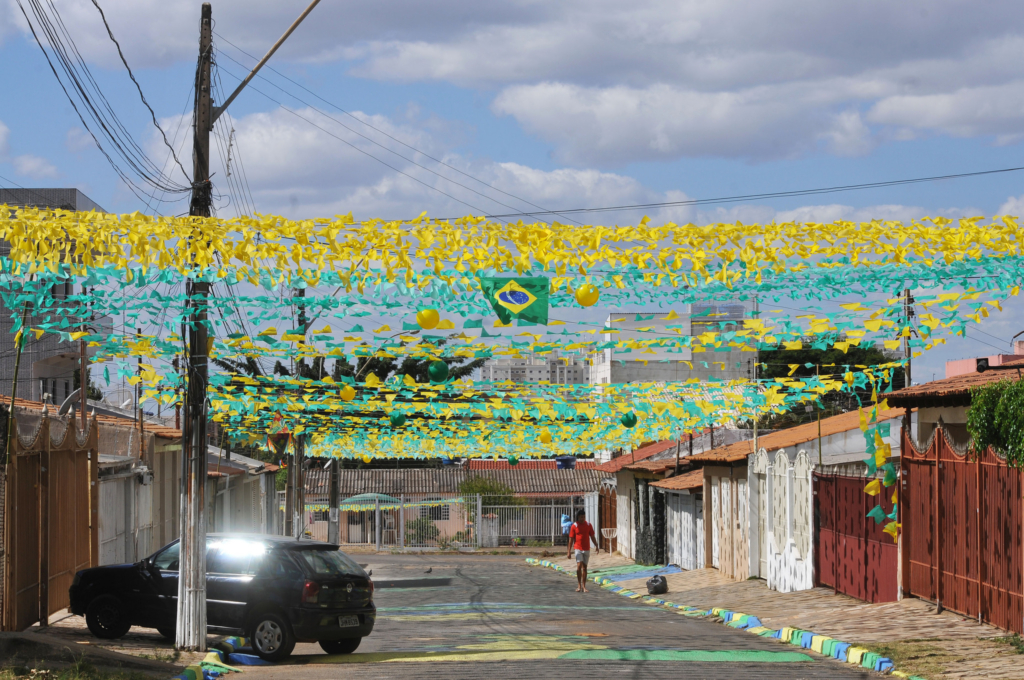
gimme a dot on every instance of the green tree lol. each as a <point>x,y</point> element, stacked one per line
<point>421,530</point>
<point>777,363</point>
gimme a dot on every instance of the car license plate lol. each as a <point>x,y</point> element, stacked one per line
<point>348,621</point>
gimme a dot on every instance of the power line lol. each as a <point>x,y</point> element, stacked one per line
<point>366,153</point>
<point>383,132</point>
<point>138,87</point>
<point>93,102</point>
<point>776,194</point>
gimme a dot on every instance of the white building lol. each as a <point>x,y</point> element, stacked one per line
<point>555,368</point>
<point>662,364</point>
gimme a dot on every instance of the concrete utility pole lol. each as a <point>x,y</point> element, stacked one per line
<point>191,623</point>
<point>299,493</point>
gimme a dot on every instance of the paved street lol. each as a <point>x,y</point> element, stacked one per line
<point>488,616</point>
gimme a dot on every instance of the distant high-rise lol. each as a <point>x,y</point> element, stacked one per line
<point>663,364</point>
<point>47,365</point>
<point>555,368</point>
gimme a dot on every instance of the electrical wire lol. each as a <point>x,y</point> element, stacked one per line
<point>138,87</point>
<point>386,134</point>
<point>89,98</point>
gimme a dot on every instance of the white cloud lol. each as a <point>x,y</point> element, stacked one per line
<point>34,167</point>
<point>610,82</point>
<point>78,140</point>
<point>1012,206</point>
<point>293,168</point>
<point>5,146</point>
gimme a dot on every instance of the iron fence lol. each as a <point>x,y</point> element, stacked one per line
<point>451,521</point>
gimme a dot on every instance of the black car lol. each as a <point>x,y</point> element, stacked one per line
<point>277,591</point>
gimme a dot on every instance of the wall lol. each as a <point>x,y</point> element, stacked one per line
<point>624,513</point>
<point>781,507</point>
<point>954,419</point>
<point>685,528</point>
<point>726,522</point>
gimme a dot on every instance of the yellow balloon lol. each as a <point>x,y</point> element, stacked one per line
<point>428,318</point>
<point>587,295</point>
<point>347,393</point>
<point>545,437</point>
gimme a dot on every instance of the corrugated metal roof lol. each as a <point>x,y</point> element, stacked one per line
<point>693,479</point>
<point>955,391</point>
<point>793,436</point>
<point>446,480</point>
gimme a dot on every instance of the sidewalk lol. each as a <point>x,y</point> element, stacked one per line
<point>919,641</point>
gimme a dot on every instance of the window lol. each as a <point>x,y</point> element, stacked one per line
<point>330,563</point>
<point>438,513</point>
<point>233,556</point>
<point>280,565</point>
<point>167,559</point>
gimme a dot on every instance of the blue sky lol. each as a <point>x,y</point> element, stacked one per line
<point>564,105</point>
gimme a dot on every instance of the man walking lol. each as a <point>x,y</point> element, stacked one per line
<point>579,538</point>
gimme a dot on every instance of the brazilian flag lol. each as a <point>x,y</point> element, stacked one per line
<point>525,299</point>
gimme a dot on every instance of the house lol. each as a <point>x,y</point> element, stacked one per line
<point>684,518</point>
<point>962,515</point>
<point>632,473</point>
<point>423,507</point>
<point>759,510</point>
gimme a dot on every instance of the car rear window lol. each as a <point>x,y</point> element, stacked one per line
<point>330,563</point>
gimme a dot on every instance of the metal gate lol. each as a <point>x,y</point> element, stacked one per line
<point>50,520</point>
<point>854,555</point>
<point>962,531</point>
<point>608,516</point>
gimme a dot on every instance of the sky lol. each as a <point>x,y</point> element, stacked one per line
<point>392,108</point>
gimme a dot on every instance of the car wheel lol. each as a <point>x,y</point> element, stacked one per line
<point>340,646</point>
<point>107,618</point>
<point>167,633</point>
<point>272,637</point>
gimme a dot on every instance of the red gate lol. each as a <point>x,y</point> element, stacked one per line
<point>854,556</point>
<point>976,547</point>
<point>608,518</point>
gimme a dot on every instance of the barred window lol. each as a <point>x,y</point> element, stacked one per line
<point>438,513</point>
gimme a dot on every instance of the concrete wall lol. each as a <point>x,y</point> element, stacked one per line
<point>624,503</point>
<point>781,506</point>
<point>725,520</point>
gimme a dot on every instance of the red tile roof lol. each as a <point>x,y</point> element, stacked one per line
<point>955,391</point>
<point>626,459</point>
<point>548,464</point>
<point>793,436</point>
<point>694,479</point>
<point>655,466</point>
<point>161,431</point>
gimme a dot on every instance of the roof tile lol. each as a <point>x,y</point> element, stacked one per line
<point>693,479</point>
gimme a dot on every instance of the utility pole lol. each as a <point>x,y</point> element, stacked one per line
<point>299,493</point>
<point>908,312</point>
<point>191,623</point>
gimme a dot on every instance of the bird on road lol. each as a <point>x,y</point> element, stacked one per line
<point>429,570</point>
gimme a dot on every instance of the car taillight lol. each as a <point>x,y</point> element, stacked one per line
<point>310,592</point>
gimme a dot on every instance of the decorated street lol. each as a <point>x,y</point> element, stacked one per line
<point>493,616</point>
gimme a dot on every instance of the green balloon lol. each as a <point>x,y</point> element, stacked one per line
<point>397,419</point>
<point>513,461</point>
<point>437,371</point>
<point>628,419</point>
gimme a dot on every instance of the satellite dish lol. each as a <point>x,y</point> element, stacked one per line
<point>66,406</point>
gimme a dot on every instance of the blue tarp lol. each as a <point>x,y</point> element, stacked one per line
<point>671,569</point>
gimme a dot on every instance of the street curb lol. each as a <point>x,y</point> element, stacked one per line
<point>822,644</point>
